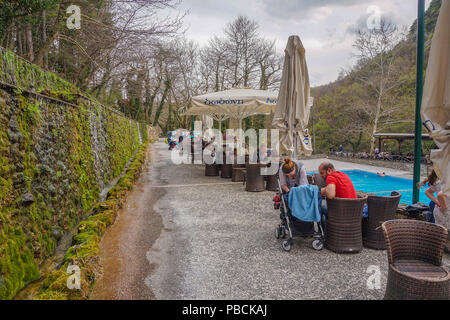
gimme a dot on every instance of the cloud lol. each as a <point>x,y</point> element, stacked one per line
<point>326,27</point>
<point>304,8</point>
<point>364,22</point>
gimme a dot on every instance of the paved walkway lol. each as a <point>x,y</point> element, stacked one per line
<point>186,236</point>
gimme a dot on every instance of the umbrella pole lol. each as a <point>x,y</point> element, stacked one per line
<point>419,92</point>
<point>192,139</point>
<point>295,145</point>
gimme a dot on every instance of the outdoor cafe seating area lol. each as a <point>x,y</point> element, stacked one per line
<point>414,248</point>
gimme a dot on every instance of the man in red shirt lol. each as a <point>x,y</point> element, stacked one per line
<point>339,185</point>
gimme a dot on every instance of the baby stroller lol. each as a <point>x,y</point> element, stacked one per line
<point>291,226</point>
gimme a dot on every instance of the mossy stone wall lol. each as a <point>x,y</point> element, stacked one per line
<point>54,160</point>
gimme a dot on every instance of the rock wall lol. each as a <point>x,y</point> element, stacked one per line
<point>55,158</point>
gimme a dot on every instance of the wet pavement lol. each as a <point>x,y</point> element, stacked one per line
<point>186,236</point>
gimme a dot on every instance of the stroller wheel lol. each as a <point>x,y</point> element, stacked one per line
<point>278,232</point>
<point>317,244</point>
<point>284,233</point>
<point>286,245</point>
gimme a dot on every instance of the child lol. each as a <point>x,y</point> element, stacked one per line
<point>434,187</point>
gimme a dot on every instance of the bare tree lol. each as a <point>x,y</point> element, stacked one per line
<point>214,62</point>
<point>270,65</point>
<point>242,43</point>
<point>378,50</point>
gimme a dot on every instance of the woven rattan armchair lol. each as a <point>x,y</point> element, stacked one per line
<point>415,251</point>
<point>254,180</point>
<point>272,181</point>
<point>318,181</point>
<point>343,225</point>
<point>381,209</point>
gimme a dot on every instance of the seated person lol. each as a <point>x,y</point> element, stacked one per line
<point>292,174</point>
<point>434,187</point>
<point>339,185</point>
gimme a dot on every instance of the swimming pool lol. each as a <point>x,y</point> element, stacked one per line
<point>383,186</point>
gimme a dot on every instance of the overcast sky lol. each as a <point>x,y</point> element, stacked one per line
<point>324,26</point>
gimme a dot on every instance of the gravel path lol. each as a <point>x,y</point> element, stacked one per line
<point>186,236</point>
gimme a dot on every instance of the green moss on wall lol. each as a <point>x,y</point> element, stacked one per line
<point>85,244</point>
<point>48,177</point>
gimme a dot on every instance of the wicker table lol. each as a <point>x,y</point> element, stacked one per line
<point>211,170</point>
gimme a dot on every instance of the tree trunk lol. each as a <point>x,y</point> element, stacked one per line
<point>19,42</point>
<point>149,105</point>
<point>217,77</point>
<point>42,54</point>
<point>263,80</point>
<point>9,38</point>
<point>169,118</point>
<point>29,37</point>
<point>44,38</point>
<point>161,104</point>
<point>375,123</point>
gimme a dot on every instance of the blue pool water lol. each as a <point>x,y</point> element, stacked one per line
<point>383,186</point>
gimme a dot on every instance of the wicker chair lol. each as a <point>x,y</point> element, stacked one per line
<point>318,181</point>
<point>415,250</point>
<point>343,225</point>
<point>381,209</point>
<point>238,174</point>
<point>254,180</point>
<point>272,181</point>
<point>226,169</point>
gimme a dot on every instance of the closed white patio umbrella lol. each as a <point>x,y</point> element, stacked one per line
<point>436,100</point>
<point>294,102</point>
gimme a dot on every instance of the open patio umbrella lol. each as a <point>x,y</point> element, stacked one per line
<point>436,97</point>
<point>294,101</point>
<point>235,103</point>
